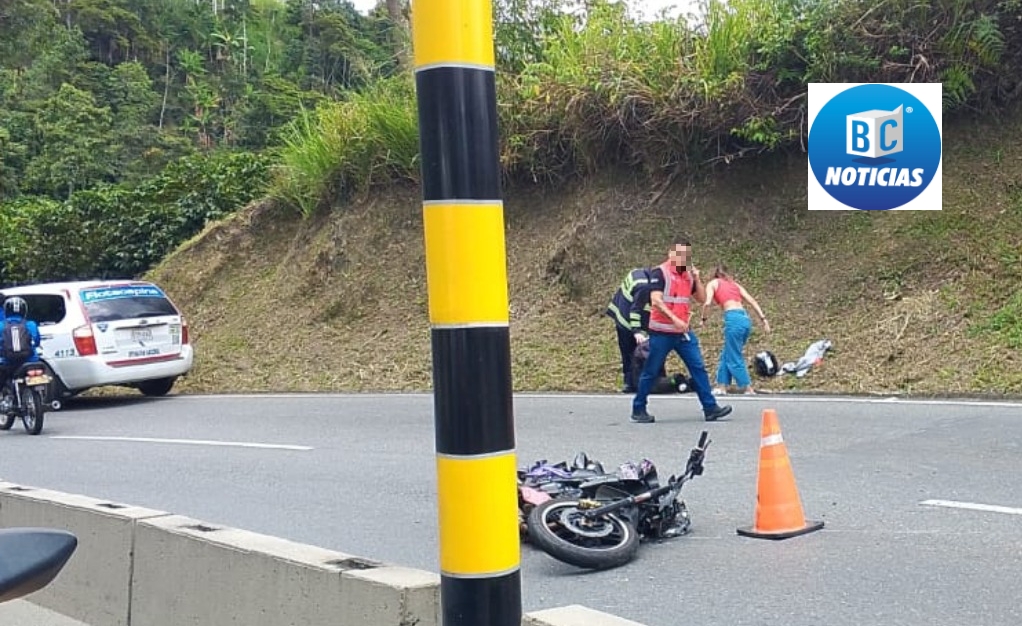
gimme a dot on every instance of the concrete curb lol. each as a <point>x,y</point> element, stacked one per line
<point>574,615</point>
<point>143,567</point>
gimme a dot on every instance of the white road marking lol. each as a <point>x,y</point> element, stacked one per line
<point>992,508</point>
<point>791,398</point>
<point>766,397</point>
<point>200,442</point>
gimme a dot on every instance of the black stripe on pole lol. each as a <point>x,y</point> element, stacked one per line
<point>482,601</point>
<point>458,129</point>
<point>472,399</point>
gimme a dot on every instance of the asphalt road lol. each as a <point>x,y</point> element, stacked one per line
<point>367,487</point>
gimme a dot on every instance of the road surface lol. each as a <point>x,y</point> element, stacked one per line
<point>356,473</point>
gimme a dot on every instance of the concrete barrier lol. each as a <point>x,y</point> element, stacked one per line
<point>258,580</point>
<point>143,567</point>
<point>95,586</point>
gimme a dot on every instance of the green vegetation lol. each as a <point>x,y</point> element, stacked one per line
<point>116,231</point>
<point>101,96</point>
<point>578,95</point>
<point>368,140</point>
<point>127,125</point>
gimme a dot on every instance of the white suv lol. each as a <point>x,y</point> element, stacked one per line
<point>98,333</point>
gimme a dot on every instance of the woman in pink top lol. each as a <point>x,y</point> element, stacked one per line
<point>729,295</point>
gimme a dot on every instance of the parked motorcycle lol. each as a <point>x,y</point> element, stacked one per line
<point>602,527</point>
<point>24,395</point>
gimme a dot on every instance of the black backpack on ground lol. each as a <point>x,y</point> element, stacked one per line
<point>17,342</point>
<point>677,383</point>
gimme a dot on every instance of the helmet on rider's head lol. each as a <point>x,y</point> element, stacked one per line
<point>15,305</point>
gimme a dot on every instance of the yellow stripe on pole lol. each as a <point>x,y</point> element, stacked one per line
<point>466,263</point>
<point>479,532</point>
<point>452,32</point>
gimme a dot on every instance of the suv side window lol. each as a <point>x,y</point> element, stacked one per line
<point>45,309</point>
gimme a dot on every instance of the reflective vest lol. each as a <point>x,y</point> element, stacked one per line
<point>677,291</point>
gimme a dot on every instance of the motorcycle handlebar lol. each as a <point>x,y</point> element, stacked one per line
<point>695,461</point>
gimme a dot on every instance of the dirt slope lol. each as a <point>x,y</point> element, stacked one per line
<point>913,301</point>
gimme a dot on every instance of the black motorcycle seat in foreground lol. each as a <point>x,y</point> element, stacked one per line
<point>30,558</point>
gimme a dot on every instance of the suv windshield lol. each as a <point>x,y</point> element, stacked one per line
<point>110,304</point>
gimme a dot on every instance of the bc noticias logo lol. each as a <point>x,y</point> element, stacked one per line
<point>875,147</point>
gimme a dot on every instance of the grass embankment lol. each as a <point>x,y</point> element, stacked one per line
<point>595,124</point>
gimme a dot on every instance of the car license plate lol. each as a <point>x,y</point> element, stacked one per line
<point>37,380</point>
<point>132,354</point>
<point>141,334</point>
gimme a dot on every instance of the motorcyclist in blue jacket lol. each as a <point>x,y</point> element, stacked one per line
<point>15,310</point>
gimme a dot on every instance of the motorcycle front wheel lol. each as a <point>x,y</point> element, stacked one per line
<point>559,528</point>
<point>34,408</point>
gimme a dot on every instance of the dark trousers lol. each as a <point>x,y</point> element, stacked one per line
<point>660,346</point>
<point>627,344</point>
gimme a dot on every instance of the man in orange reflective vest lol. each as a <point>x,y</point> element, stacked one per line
<point>672,286</point>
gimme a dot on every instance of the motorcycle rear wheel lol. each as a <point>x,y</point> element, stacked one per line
<point>612,542</point>
<point>34,409</point>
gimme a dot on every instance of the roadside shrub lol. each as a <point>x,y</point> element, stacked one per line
<point>577,92</point>
<point>118,231</point>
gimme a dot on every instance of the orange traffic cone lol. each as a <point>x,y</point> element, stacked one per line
<point>779,513</point>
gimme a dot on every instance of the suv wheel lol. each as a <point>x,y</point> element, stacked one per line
<point>158,387</point>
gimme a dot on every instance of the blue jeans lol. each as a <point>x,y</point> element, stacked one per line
<point>737,328</point>
<point>660,346</point>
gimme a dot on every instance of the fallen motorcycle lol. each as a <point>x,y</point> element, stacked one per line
<point>543,481</point>
<point>602,526</point>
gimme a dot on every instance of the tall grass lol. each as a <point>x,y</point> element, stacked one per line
<point>348,147</point>
<point>601,88</point>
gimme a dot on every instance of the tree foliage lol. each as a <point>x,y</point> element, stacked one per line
<point>112,231</point>
<point>126,124</point>
<point>105,105</point>
<point>579,90</point>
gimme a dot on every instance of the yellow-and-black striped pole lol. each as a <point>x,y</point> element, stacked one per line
<point>466,271</point>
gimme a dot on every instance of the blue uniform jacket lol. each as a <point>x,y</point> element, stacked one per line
<point>630,305</point>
